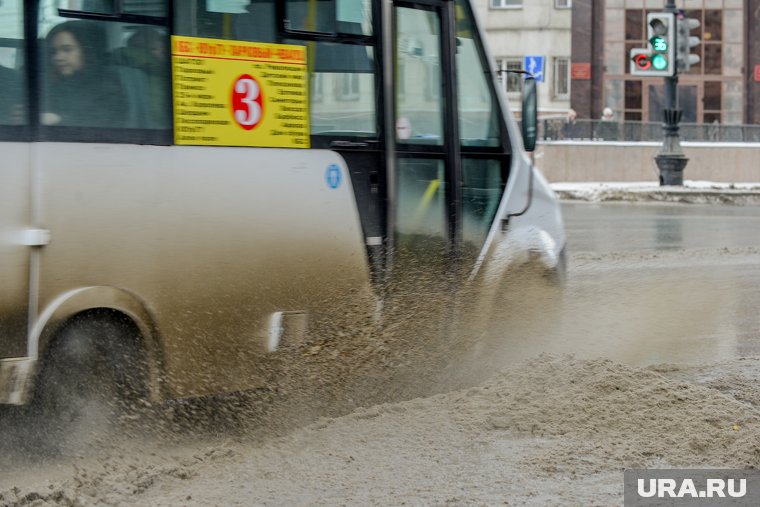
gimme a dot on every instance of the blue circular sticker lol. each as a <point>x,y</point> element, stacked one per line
<point>333,176</point>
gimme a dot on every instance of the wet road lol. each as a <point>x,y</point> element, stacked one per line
<point>610,227</point>
<point>652,283</point>
<point>647,284</point>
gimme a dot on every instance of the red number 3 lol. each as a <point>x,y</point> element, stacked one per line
<point>247,102</point>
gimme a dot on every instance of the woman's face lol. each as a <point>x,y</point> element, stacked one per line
<point>67,54</point>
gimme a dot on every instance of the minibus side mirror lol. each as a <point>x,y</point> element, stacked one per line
<point>529,114</point>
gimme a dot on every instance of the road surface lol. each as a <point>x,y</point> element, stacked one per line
<point>681,281</point>
<point>644,361</point>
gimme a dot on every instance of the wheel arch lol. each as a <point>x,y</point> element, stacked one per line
<point>103,302</point>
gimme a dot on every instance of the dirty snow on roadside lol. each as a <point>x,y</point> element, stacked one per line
<point>555,430</point>
<point>693,192</point>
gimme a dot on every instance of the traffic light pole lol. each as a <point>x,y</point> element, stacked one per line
<point>670,159</point>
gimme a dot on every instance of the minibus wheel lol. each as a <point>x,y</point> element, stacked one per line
<point>93,375</point>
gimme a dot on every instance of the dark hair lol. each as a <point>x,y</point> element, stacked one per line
<point>90,37</point>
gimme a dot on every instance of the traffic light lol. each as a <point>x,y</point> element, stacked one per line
<point>684,43</point>
<point>659,59</point>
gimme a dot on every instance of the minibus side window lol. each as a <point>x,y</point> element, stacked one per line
<point>343,94</point>
<point>419,78</point>
<point>96,6</point>
<point>352,17</point>
<point>13,106</point>
<point>342,81</point>
<point>102,74</point>
<point>478,113</point>
<point>157,8</point>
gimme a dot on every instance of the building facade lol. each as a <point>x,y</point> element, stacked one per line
<point>723,88</point>
<point>532,35</point>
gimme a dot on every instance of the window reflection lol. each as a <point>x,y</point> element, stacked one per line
<point>478,115</point>
<point>13,110</point>
<point>418,50</point>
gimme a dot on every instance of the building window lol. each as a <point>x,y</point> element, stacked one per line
<point>712,101</point>
<point>511,82</point>
<point>561,78</point>
<point>432,81</point>
<point>563,4</point>
<point>633,101</point>
<point>505,4</point>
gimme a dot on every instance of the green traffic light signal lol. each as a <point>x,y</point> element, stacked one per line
<point>659,62</point>
<point>659,43</point>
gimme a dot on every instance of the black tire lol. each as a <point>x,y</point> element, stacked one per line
<point>92,376</point>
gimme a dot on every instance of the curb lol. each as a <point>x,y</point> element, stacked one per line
<point>670,195</point>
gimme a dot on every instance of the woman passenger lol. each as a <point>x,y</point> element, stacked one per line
<point>80,90</point>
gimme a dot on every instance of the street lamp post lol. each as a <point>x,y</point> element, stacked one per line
<point>670,158</point>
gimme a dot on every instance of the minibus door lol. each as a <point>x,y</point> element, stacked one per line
<point>424,229</point>
<point>452,150</point>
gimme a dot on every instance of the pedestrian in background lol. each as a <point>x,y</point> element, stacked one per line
<point>607,130</point>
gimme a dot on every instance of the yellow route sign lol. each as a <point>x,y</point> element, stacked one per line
<point>236,93</point>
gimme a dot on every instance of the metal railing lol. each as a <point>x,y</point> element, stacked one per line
<point>557,129</point>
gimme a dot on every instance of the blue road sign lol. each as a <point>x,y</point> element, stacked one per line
<point>535,65</point>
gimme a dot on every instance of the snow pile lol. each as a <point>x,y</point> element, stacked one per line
<point>693,192</point>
